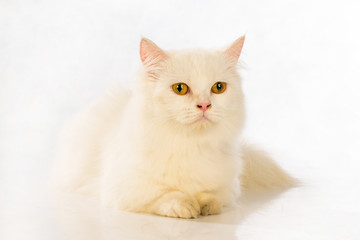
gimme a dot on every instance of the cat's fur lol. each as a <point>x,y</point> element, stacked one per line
<point>149,150</point>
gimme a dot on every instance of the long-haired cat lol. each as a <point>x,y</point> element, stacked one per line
<point>171,146</point>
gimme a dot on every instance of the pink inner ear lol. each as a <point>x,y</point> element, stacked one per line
<point>235,49</point>
<point>149,52</point>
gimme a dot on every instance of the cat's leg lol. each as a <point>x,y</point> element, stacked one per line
<point>174,203</point>
<point>208,204</point>
<point>148,197</point>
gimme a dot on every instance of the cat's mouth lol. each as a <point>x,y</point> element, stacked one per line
<point>199,120</point>
<point>203,120</point>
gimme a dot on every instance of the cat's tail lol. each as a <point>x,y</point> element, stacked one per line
<point>260,172</point>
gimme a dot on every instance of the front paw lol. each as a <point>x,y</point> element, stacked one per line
<point>179,205</point>
<point>210,208</point>
<point>208,204</point>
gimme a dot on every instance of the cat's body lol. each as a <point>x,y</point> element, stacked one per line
<point>159,150</point>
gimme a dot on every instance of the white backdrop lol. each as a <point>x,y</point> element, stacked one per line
<point>301,80</point>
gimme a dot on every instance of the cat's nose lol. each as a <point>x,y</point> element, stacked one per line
<point>203,106</point>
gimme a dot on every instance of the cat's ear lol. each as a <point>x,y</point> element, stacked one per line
<point>150,54</point>
<point>235,48</point>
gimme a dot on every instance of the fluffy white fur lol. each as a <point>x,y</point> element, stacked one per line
<point>150,150</point>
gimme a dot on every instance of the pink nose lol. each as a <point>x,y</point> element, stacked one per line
<point>204,106</point>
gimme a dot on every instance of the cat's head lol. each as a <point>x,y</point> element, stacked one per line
<point>193,89</point>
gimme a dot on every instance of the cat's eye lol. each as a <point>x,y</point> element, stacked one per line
<point>218,87</point>
<point>180,88</point>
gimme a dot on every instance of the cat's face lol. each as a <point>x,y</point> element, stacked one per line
<point>194,89</point>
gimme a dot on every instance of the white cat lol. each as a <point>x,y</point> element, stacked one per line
<point>171,146</point>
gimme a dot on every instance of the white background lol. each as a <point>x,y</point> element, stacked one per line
<point>302,94</point>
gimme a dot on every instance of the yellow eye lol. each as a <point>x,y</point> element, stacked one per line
<point>180,88</point>
<point>218,87</point>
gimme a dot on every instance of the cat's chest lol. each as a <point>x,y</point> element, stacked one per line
<point>195,164</point>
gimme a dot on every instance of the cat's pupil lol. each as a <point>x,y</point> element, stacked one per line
<point>219,86</point>
<point>179,87</point>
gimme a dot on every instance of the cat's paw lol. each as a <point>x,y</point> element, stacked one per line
<point>208,204</point>
<point>210,208</point>
<point>179,205</point>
